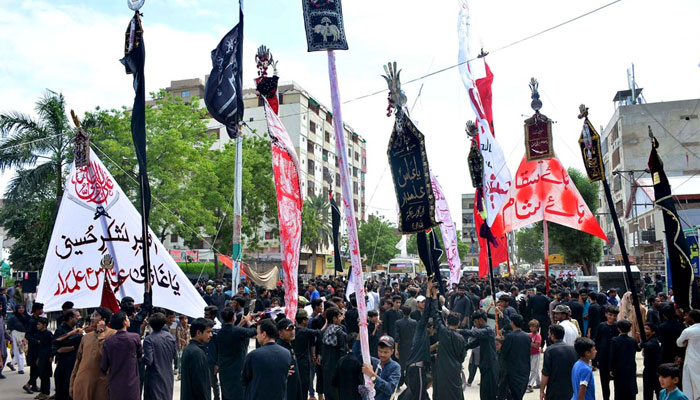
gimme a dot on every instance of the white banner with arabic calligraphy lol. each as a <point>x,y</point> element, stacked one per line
<point>96,219</point>
<point>543,190</point>
<point>497,178</point>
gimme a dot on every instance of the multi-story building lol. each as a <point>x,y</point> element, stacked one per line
<point>310,127</point>
<point>625,146</point>
<point>469,233</point>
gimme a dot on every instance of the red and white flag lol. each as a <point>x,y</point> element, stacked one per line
<point>285,166</point>
<point>497,178</point>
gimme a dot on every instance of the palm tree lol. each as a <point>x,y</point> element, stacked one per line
<point>38,148</point>
<point>317,228</point>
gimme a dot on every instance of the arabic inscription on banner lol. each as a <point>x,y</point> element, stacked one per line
<point>538,138</point>
<point>410,172</point>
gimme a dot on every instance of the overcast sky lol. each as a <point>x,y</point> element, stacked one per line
<point>74,47</point>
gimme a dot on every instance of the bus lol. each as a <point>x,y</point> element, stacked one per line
<point>405,265</point>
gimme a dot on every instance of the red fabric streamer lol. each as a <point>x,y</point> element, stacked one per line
<point>109,300</point>
<point>285,167</point>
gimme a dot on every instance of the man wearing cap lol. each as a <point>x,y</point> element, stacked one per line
<point>463,306</point>
<point>387,374</point>
<point>232,346</point>
<point>561,315</point>
<point>420,308</point>
<point>287,333</point>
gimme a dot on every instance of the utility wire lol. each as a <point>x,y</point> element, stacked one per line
<point>491,52</point>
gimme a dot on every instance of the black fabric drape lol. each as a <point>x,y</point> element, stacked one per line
<point>335,220</point>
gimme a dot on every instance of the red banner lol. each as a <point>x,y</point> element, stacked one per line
<point>285,167</point>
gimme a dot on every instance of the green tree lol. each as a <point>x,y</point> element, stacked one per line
<point>576,246</point>
<point>462,248</point>
<point>378,239</point>
<point>39,149</point>
<point>530,245</point>
<point>181,171</point>
<point>316,226</point>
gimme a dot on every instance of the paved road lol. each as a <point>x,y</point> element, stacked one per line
<point>11,388</point>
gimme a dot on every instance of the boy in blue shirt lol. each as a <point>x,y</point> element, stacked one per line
<point>582,374</point>
<point>669,375</point>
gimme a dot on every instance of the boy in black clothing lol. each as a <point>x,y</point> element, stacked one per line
<point>44,340</point>
<point>374,330</point>
<point>603,342</point>
<point>623,368</point>
<point>651,350</point>
<point>348,374</point>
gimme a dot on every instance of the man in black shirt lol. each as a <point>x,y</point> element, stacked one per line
<point>391,316</point>
<point>515,354</point>
<point>33,348</point>
<point>287,333</point>
<point>559,360</point>
<point>576,309</point>
<point>603,343</point>
<point>352,316</point>
<point>65,348</point>
<point>463,306</point>
<point>538,308</point>
<point>651,350</point>
<point>417,362</point>
<point>484,337</point>
<point>405,329</point>
<point>270,363</point>
<point>232,341</point>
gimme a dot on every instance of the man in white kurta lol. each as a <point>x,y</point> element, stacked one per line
<point>690,338</point>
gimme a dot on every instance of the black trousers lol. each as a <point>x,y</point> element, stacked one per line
<point>44,371</point>
<point>214,382</point>
<point>472,372</point>
<point>417,383</point>
<point>33,364</point>
<point>605,381</point>
<point>651,383</point>
<point>62,380</point>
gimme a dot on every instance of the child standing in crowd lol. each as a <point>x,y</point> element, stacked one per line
<point>651,350</point>
<point>535,348</point>
<point>669,375</point>
<point>623,368</point>
<point>44,339</point>
<point>582,375</point>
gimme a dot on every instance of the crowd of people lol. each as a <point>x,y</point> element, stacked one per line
<point>520,338</point>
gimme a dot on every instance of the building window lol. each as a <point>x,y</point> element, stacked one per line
<point>260,101</point>
<point>616,158</point>
<point>268,235</point>
<point>329,118</point>
<point>354,188</point>
<point>337,199</point>
<point>325,155</point>
<point>312,188</point>
<point>325,193</point>
<point>281,98</point>
<point>357,156</point>
<point>314,106</point>
<point>173,238</point>
<point>310,167</point>
<point>328,137</point>
<point>337,179</point>
<point>354,203</point>
<point>350,153</point>
<point>310,147</point>
<point>185,93</point>
<point>354,172</point>
<point>312,127</point>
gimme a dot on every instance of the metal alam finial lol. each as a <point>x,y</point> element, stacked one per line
<point>397,97</point>
<point>135,5</point>
<point>536,103</point>
<point>471,129</point>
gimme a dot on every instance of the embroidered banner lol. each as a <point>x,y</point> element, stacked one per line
<point>323,21</point>
<point>411,174</point>
<point>285,167</point>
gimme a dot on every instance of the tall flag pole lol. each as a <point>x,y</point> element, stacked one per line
<point>589,142</point>
<point>323,22</point>
<point>237,216</point>
<point>134,60</point>
<point>678,251</point>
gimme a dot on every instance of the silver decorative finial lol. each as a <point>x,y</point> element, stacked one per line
<point>135,5</point>
<point>536,104</point>
<point>397,98</point>
<point>471,129</point>
<point>583,111</point>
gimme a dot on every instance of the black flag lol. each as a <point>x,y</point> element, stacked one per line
<point>223,93</point>
<point>430,252</point>
<point>134,59</point>
<point>677,247</point>
<point>335,220</point>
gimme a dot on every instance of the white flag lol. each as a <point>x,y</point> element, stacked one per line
<point>497,178</point>
<point>97,219</point>
<point>401,245</point>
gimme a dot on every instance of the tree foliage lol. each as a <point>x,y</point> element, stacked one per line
<point>378,238</point>
<point>530,245</point>
<point>316,224</point>
<point>39,149</point>
<point>462,248</point>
